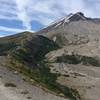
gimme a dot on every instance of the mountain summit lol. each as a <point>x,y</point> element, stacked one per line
<point>69,18</point>
<point>63,21</point>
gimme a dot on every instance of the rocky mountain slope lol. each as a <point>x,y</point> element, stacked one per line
<point>62,58</point>
<point>78,60</point>
<point>73,29</point>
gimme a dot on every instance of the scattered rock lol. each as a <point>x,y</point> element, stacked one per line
<point>15,72</point>
<point>10,85</point>
<point>66,75</point>
<point>24,92</point>
<point>29,97</point>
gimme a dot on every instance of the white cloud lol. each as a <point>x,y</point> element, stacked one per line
<point>1,35</point>
<point>22,13</point>
<point>45,11</point>
<point>8,17</point>
<point>7,29</point>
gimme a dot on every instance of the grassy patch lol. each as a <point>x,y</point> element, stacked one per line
<point>5,47</point>
<point>46,79</point>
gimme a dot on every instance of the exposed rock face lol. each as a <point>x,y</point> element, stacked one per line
<point>73,29</point>
<point>78,60</point>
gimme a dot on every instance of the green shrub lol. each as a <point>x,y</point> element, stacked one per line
<point>45,78</point>
<point>5,47</point>
<point>79,59</point>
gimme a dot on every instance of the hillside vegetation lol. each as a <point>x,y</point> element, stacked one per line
<point>28,57</point>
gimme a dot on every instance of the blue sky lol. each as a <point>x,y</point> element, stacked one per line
<point>32,15</point>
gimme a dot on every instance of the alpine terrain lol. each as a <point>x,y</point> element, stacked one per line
<point>59,62</point>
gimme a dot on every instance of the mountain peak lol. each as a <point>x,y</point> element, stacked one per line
<point>80,13</point>
<point>75,17</point>
<point>72,17</point>
<point>69,18</point>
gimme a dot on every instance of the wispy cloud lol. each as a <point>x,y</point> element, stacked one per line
<point>44,11</point>
<point>1,35</point>
<point>2,28</point>
<point>22,13</point>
